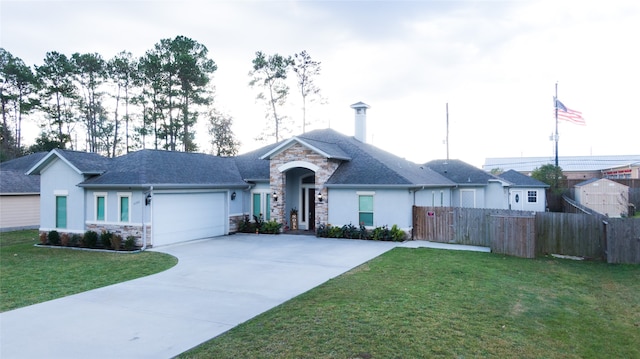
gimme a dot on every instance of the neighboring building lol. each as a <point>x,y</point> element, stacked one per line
<point>573,167</point>
<point>525,193</point>
<point>19,194</point>
<point>603,196</point>
<point>164,197</point>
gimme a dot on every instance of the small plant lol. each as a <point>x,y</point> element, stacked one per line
<point>350,231</point>
<point>397,234</point>
<point>259,222</point>
<point>335,232</point>
<point>245,225</point>
<point>75,241</point>
<point>105,238</point>
<point>43,238</point>
<point>130,243</point>
<point>271,227</point>
<point>116,242</point>
<point>90,239</point>
<point>322,230</point>
<point>64,239</point>
<point>381,233</point>
<point>54,238</point>
<point>364,234</point>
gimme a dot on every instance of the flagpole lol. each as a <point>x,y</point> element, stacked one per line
<point>555,104</point>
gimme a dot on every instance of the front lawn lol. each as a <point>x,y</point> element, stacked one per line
<point>32,275</point>
<point>425,303</point>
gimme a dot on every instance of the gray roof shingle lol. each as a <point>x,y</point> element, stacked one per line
<point>519,180</point>
<point>460,172</point>
<point>13,177</point>
<point>169,168</point>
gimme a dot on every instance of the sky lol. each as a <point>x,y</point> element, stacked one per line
<point>495,63</point>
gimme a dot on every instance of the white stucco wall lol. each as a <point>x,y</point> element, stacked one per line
<point>390,206</point>
<point>59,178</point>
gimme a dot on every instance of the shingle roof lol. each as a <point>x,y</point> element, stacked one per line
<point>519,180</point>
<point>13,178</point>
<point>460,172</point>
<point>369,165</point>
<point>87,163</point>
<point>169,168</point>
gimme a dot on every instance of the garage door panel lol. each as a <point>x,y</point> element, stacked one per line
<point>183,217</point>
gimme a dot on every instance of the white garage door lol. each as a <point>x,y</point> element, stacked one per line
<point>186,216</point>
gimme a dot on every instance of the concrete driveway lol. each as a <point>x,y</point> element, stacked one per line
<point>217,284</point>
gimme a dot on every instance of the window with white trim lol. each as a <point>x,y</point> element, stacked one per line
<point>532,196</point>
<point>124,207</point>
<point>61,211</point>
<point>100,200</point>
<point>365,208</point>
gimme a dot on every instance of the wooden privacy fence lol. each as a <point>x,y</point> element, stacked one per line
<point>526,234</point>
<point>504,231</point>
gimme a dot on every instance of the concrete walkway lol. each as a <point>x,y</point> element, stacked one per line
<point>217,284</point>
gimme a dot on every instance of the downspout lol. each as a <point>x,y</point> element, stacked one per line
<point>144,225</point>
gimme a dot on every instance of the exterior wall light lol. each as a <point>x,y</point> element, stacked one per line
<point>147,199</point>
<point>275,196</point>
<point>319,196</point>
<point>233,196</point>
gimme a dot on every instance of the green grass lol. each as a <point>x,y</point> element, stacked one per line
<point>426,303</point>
<point>30,275</point>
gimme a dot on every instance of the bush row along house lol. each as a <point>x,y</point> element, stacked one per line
<point>164,197</point>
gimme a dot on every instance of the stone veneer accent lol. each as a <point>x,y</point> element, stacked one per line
<point>298,152</point>
<point>124,230</point>
<point>233,222</point>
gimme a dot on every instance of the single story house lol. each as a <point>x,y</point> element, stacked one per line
<point>19,194</point>
<point>603,196</point>
<point>525,193</point>
<point>164,197</point>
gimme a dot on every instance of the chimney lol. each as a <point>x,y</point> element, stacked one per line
<point>361,121</point>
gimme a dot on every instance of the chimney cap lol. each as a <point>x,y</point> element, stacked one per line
<point>360,105</point>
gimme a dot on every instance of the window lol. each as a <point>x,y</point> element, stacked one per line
<point>101,206</point>
<point>261,203</point>
<point>365,209</point>
<point>61,211</point>
<point>124,200</point>
<point>467,198</point>
<point>532,196</point>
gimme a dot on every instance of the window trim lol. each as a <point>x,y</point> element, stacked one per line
<point>96,195</point>
<point>66,212</point>
<point>120,196</point>
<point>468,190</point>
<point>373,207</point>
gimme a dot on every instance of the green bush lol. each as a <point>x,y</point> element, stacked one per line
<point>397,234</point>
<point>335,232</point>
<point>245,225</point>
<point>90,239</point>
<point>75,240</point>
<point>322,230</point>
<point>271,227</point>
<point>54,238</point>
<point>105,239</point>
<point>381,234</point>
<point>130,243</point>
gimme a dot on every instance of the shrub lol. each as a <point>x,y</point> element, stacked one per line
<point>116,242</point>
<point>397,234</point>
<point>258,223</point>
<point>90,239</point>
<point>364,234</point>
<point>64,239</point>
<point>105,239</point>
<point>75,241</point>
<point>335,232</point>
<point>350,231</point>
<point>271,227</point>
<point>43,238</point>
<point>245,225</point>
<point>322,230</point>
<point>130,243</point>
<point>54,238</point>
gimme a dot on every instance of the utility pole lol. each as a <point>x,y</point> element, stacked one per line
<point>447,138</point>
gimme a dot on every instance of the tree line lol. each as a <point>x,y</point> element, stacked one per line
<point>87,103</point>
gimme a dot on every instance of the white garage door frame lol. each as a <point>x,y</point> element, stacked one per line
<point>188,215</point>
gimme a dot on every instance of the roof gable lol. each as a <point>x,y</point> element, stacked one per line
<point>85,163</point>
<point>326,149</point>
<point>604,180</point>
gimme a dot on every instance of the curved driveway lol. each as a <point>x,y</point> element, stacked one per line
<point>217,284</point>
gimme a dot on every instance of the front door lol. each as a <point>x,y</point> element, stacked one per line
<point>307,207</point>
<point>516,200</point>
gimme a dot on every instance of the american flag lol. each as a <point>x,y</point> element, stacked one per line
<point>569,115</point>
